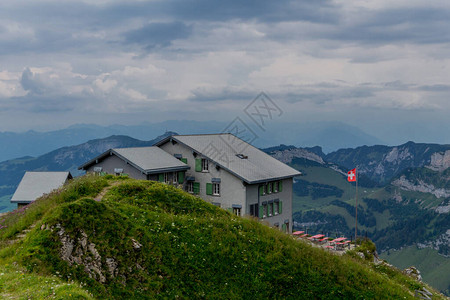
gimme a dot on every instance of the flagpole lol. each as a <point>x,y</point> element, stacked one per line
<point>356,207</point>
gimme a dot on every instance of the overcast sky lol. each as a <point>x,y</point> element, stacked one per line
<point>378,64</point>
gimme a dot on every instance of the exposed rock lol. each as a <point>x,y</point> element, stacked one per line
<point>423,294</point>
<point>421,186</point>
<point>442,240</point>
<point>136,244</point>
<point>440,161</point>
<point>84,253</point>
<point>413,272</point>
<point>396,155</point>
<point>397,197</point>
<point>112,266</point>
<point>443,208</point>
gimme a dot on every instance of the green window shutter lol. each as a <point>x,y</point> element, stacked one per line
<point>196,186</point>
<point>183,159</point>
<point>261,190</point>
<point>209,188</point>
<point>283,227</point>
<point>161,177</point>
<point>198,165</point>
<point>261,211</point>
<point>230,210</point>
<point>180,177</point>
<point>281,207</point>
<point>280,188</point>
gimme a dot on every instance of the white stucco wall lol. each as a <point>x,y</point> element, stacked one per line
<point>232,190</point>
<point>285,196</point>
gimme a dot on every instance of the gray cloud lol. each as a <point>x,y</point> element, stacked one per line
<point>157,35</point>
<point>173,56</point>
<point>32,83</point>
<point>223,94</point>
<point>435,88</point>
<point>323,11</point>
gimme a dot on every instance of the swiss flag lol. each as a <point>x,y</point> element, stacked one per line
<point>351,175</point>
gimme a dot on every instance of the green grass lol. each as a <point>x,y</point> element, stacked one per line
<point>188,249</point>
<point>427,260</point>
<point>17,283</point>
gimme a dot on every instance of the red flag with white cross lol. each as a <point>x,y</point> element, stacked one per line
<point>351,175</point>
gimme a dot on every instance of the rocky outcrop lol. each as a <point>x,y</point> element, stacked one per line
<point>441,241</point>
<point>397,155</point>
<point>440,161</point>
<point>382,163</point>
<point>444,207</point>
<point>83,252</point>
<point>420,186</point>
<point>413,272</point>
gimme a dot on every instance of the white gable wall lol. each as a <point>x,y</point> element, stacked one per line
<point>112,162</point>
<point>232,190</point>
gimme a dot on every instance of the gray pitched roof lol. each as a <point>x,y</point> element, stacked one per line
<point>146,159</point>
<point>36,184</point>
<point>253,165</point>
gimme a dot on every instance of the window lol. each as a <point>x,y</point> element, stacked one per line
<point>190,187</point>
<point>216,189</point>
<point>205,167</point>
<point>175,177</point>
<point>269,188</point>
<point>236,211</point>
<point>275,187</point>
<point>276,208</point>
<point>166,178</point>
<point>254,211</point>
<point>270,209</point>
<point>286,227</point>
<point>118,171</point>
<point>265,208</point>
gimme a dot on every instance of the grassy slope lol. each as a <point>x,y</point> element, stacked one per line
<point>16,283</point>
<point>189,249</point>
<point>431,268</point>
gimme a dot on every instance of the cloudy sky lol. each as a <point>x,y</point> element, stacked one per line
<point>381,65</point>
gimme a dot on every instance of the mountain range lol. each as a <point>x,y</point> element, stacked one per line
<point>404,193</point>
<point>403,206</point>
<point>330,135</point>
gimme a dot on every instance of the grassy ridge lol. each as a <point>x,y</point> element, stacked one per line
<point>167,243</point>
